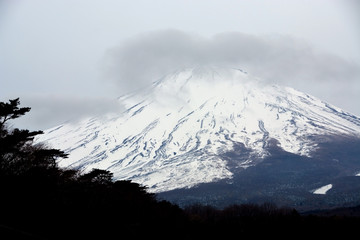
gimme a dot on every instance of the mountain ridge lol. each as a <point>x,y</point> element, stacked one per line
<point>176,132</point>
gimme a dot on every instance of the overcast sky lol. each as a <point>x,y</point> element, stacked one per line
<point>71,58</point>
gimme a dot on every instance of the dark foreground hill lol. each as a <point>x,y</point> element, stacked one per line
<point>90,208</point>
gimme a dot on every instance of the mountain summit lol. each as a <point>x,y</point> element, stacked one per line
<point>201,125</point>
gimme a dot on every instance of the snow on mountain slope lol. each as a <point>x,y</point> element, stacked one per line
<point>175,132</point>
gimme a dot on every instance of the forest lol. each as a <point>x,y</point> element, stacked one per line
<point>39,200</point>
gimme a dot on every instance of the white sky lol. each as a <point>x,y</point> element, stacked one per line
<point>54,50</point>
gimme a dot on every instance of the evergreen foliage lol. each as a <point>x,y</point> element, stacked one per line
<point>40,200</point>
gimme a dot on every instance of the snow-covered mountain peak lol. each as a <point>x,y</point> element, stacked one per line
<point>192,87</point>
<point>179,131</point>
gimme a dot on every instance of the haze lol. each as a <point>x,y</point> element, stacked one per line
<point>70,59</point>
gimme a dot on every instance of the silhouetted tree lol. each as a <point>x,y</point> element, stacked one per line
<point>29,174</point>
<point>18,154</point>
<point>97,176</point>
<point>11,110</point>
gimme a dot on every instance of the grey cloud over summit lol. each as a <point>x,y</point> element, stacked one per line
<point>275,58</point>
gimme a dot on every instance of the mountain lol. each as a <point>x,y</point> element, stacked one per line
<point>215,135</point>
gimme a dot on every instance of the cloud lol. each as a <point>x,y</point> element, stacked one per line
<point>50,111</point>
<point>275,58</point>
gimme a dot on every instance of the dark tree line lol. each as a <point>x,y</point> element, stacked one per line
<point>39,200</point>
